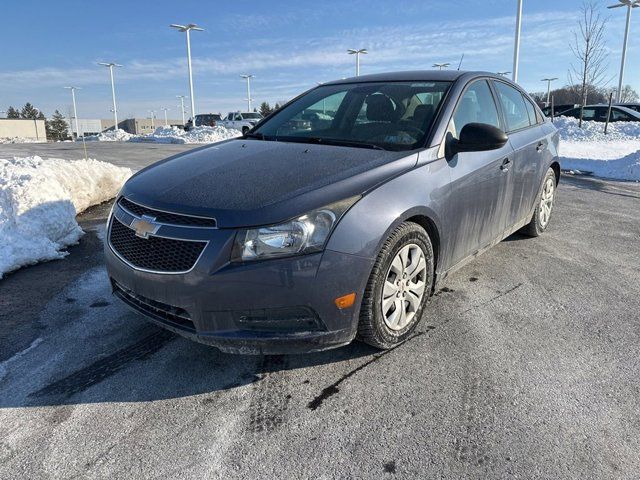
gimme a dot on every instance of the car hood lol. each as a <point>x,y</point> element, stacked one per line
<point>250,182</point>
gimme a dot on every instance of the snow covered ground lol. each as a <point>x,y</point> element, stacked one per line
<point>39,201</point>
<point>170,135</point>
<point>587,149</point>
<point>20,140</point>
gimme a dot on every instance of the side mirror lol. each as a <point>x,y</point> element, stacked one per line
<point>478,137</point>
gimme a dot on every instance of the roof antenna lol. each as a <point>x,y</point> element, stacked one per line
<point>460,64</point>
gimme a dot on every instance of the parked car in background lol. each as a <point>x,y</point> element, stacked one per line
<point>598,113</point>
<point>295,240</point>
<point>204,120</point>
<point>557,109</point>
<point>243,121</point>
<point>633,106</point>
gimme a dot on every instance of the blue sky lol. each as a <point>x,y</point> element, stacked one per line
<point>287,45</point>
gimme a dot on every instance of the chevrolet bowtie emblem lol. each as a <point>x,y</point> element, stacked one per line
<point>145,226</point>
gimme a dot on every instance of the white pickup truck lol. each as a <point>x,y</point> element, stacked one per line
<point>243,121</point>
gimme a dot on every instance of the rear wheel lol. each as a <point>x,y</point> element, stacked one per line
<point>398,288</point>
<point>245,130</point>
<point>544,206</point>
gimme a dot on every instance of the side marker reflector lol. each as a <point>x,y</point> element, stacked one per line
<point>345,301</point>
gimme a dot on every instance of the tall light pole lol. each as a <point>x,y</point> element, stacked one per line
<point>182,97</point>
<point>113,91</point>
<point>629,4</point>
<point>548,80</point>
<point>248,78</point>
<point>75,110</point>
<point>153,118</point>
<point>503,74</point>
<point>440,66</point>
<point>357,53</point>
<point>516,48</point>
<point>166,122</point>
<point>187,29</point>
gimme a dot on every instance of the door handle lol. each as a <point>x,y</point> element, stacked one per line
<point>541,146</point>
<point>505,165</point>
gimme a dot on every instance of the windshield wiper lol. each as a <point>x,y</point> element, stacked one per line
<point>332,141</point>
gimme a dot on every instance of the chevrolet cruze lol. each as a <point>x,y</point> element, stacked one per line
<point>337,216</point>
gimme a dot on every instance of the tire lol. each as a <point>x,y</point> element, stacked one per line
<point>377,325</point>
<point>544,206</point>
<point>245,130</point>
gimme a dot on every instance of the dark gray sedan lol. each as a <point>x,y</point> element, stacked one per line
<point>301,239</point>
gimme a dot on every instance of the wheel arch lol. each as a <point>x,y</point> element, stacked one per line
<point>556,169</point>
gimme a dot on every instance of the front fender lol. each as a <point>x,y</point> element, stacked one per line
<point>421,191</point>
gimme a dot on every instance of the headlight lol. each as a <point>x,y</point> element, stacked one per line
<point>305,234</point>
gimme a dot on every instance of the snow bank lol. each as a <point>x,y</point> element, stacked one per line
<point>20,140</point>
<point>569,130</point>
<point>195,135</point>
<point>170,135</point>
<point>39,201</point>
<point>616,159</point>
<point>110,136</point>
<point>615,155</point>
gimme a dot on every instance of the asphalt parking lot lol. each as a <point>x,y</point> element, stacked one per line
<point>525,365</point>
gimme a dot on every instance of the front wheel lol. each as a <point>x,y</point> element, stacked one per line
<point>544,206</point>
<point>245,130</point>
<point>398,288</point>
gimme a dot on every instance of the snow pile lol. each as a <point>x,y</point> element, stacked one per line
<point>569,130</point>
<point>118,135</point>
<point>616,159</point>
<point>195,135</point>
<point>39,200</point>
<point>615,155</point>
<point>20,140</point>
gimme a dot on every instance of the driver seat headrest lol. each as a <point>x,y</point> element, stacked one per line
<point>380,108</point>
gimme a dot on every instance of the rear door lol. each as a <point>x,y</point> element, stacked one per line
<point>479,180</point>
<point>529,143</point>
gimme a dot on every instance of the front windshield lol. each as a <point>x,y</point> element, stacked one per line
<point>387,115</point>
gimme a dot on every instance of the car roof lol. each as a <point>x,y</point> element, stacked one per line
<point>415,76</point>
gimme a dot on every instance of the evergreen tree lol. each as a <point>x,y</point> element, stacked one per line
<point>29,112</point>
<point>12,113</point>
<point>265,109</point>
<point>57,127</point>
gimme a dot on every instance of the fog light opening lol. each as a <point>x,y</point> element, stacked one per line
<point>345,301</point>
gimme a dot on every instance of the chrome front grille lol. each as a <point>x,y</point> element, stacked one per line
<point>166,217</point>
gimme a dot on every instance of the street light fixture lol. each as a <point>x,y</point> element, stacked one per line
<point>548,80</point>
<point>248,78</point>
<point>187,29</point>
<point>629,4</point>
<point>503,74</point>
<point>165,110</point>
<point>182,97</point>
<point>75,110</point>
<point>357,53</point>
<point>113,91</point>
<point>440,66</point>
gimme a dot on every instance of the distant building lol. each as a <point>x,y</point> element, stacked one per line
<point>32,130</point>
<point>144,126</point>
<point>86,126</point>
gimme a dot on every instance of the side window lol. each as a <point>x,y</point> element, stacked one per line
<point>587,113</point>
<point>619,115</point>
<point>531,110</point>
<point>238,117</point>
<point>515,110</point>
<point>475,106</point>
<point>230,117</point>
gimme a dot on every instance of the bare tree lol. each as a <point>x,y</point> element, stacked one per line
<point>589,49</point>
<point>628,95</point>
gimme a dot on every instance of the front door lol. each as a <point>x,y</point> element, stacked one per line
<point>479,180</point>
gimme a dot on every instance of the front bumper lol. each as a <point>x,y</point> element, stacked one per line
<point>269,307</point>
